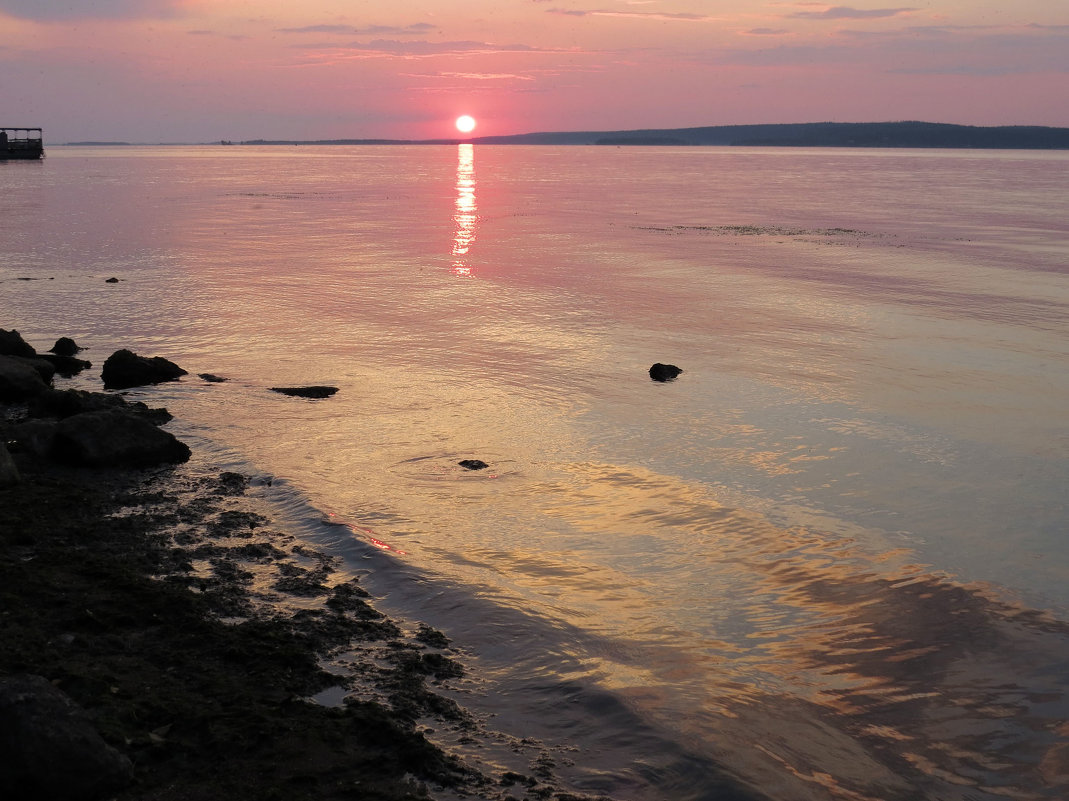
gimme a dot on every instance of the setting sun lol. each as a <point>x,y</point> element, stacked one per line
<point>465,124</point>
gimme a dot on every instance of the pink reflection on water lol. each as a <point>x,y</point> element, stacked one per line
<point>364,532</point>
<point>465,214</point>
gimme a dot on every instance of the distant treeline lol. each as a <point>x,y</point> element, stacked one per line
<point>809,134</point>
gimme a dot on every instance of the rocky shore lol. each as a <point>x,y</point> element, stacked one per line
<point>161,640</point>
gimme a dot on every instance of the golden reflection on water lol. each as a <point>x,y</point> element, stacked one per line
<point>919,680</point>
<point>464,215</point>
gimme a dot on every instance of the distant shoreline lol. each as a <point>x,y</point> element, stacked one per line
<point>810,134</point>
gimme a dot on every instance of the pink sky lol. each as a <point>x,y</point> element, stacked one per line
<point>202,70</point>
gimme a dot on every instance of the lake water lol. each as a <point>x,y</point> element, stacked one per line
<point>829,561</point>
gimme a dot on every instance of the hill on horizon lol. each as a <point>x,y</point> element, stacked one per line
<point>807,134</point>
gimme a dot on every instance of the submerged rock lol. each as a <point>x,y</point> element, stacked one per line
<point>65,346</point>
<point>664,372</point>
<point>212,378</point>
<point>125,369</point>
<point>114,438</point>
<point>306,392</point>
<point>50,747</point>
<point>66,366</point>
<point>112,280</point>
<point>473,464</point>
<point>12,344</point>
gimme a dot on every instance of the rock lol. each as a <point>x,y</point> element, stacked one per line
<point>51,749</point>
<point>12,344</point>
<point>66,366</point>
<point>43,367</point>
<point>306,392</point>
<point>67,402</point>
<point>34,437</point>
<point>112,280</point>
<point>114,438</point>
<point>9,474</point>
<point>664,372</point>
<point>211,378</point>
<point>19,380</point>
<point>65,346</point>
<point>125,369</point>
<point>473,464</point>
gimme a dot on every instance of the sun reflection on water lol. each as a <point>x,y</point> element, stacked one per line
<point>465,214</point>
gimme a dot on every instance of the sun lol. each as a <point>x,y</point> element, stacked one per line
<point>465,124</point>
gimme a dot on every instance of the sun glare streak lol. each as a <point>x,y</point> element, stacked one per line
<point>464,215</point>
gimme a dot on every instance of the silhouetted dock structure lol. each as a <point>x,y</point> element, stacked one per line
<point>21,143</point>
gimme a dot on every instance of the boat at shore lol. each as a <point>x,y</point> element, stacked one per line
<point>21,143</point>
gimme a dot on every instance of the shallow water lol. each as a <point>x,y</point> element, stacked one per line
<point>813,563</point>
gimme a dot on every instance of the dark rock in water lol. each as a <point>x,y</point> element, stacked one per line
<point>12,344</point>
<point>306,392</point>
<point>664,372</point>
<point>66,366</point>
<point>125,369</point>
<point>43,367</point>
<point>473,464</point>
<point>112,280</point>
<point>19,380</point>
<point>50,747</point>
<point>69,402</point>
<point>114,438</point>
<point>65,346</point>
<point>9,474</point>
<point>212,379</point>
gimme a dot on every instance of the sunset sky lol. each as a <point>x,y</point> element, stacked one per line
<point>202,70</point>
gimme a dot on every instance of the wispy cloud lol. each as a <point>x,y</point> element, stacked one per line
<point>966,50</point>
<point>845,12</point>
<point>652,15</point>
<point>369,30</point>
<point>766,32</point>
<point>384,48</point>
<point>486,76</point>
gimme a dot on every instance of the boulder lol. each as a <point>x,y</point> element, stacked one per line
<point>114,438</point>
<point>125,369</point>
<point>664,372</point>
<point>12,344</point>
<point>50,747</point>
<point>212,378</point>
<point>66,366</point>
<point>306,392</point>
<point>43,367</point>
<point>65,346</point>
<point>9,474</point>
<point>67,402</point>
<point>19,380</point>
<point>473,464</point>
<point>34,437</point>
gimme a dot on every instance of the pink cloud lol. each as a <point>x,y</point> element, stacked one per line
<point>654,15</point>
<point>844,12</point>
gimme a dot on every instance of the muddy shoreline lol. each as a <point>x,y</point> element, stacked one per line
<point>194,634</point>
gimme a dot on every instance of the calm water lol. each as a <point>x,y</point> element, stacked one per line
<point>828,562</point>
